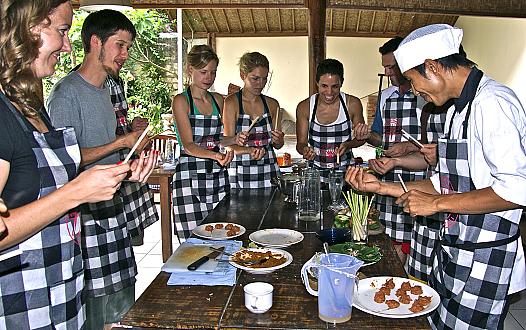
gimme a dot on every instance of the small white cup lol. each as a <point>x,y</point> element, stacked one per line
<point>258,297</point>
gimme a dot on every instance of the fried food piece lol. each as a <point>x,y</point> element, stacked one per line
<point>230,233</point>
<point>389,284</point>
<point>392,304</point>
<point>219,226</point>
<point>404,299</point>
<point>209,228</point>
<point>236,228</point>
<point>379,297</point>
<point>384,290</point>
<point>416,308</point>
<point>417,290</point>
<point>424,300</point>
<point>400,292</point>
<point>229,226</point>
<point>406,286</point>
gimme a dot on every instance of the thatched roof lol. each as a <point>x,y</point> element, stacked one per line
<point>364,18</point>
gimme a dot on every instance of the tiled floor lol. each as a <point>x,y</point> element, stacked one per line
<point>149,259</point>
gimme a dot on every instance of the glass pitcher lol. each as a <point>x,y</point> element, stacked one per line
<point>309,205</point>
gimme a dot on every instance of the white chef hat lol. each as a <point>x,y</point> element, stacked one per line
<point>428,42</point>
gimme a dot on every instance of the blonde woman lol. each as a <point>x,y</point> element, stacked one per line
<point>255,162</point>
<point>201,178</point>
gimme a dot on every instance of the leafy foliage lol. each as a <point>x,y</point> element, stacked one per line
<point>146,75</point>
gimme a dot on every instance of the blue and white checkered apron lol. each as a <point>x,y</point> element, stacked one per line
<point>399,113</point>
<point>325,139</point>
<point>245,172</point>
<point>199,183</point>
<point>475,253</point>
<point>45,291</point>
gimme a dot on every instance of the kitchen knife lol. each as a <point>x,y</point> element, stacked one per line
<point>212,255</point>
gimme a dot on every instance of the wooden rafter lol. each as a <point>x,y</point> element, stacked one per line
<point>344,21</point>
<point>372,22</point>
<point>386,21</point>
<point>428,19</point>
<point>239,18</point>
<point>252,20</point>
<point>358,21</point>
<point>201,19</point>
<point>293,20</point>
<point>226,19</point>
<point>331,16</point>
<point>214,20</point>
<point>188,21</point>
<point>266,19</point>
<point>400,23</point>
<point>279,20</point>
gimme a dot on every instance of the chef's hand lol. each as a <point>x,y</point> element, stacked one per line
<point>417,203</point>
<point>257,153</point>
<point>139,124</point>
<point>430,153</point>
<point>308,153</point>
<point>225,158</point>
<point>400,149</point>
<point>361,180</point>
<point>141,168</point>
<point>382,165</point>
<point>361,131</point>
<point>278,139</point>
<point>242,138</point>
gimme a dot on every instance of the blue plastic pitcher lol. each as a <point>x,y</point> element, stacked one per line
<point>336,278</point>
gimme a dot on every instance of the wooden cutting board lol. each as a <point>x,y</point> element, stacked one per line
<point>186,254</point>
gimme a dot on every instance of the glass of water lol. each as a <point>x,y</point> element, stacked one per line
<point>335,188</point>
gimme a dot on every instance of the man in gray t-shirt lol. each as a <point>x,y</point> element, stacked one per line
<point>88,108</point>
<point>81,100</point>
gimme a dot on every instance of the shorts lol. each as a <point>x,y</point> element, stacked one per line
<point>108,309</point>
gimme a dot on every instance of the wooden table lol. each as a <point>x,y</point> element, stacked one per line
<point>222,307</point>
<point>163,178</point>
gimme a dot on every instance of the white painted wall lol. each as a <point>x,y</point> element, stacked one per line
<point>288,57</point>
<point>498,46</point>
<point>288,76</point>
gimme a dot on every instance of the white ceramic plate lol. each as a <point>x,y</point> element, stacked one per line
<point>287,255</point>
<point>276,237</point>
<point>217,234</point>
<point>364,298</point>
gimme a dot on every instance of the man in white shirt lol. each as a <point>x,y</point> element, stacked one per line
<point>480,185</point>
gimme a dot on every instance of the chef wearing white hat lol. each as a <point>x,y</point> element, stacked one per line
<point>480,184</point>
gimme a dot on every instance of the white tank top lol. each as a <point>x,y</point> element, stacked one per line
<point>341,113</point>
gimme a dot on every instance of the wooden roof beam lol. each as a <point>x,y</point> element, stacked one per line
<point>188,21</point>
<point>240,23</point>
<point>344,21</point>
<point>214,20</point>
<point>510,8</point>
<point>201,19</point>
<point>266,20</point>
<point>252,20</point>
<point>317,40</point>
<point>279,20</point>
<point>226,20</point>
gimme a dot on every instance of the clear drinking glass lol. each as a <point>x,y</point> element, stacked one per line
<point>335,188</point>
<point>309,206</point>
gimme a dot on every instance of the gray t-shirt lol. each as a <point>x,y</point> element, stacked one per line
<point>88,109</point>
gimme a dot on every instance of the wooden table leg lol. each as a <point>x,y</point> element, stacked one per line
<point>166,219</point>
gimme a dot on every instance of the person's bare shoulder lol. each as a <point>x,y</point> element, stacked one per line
<point>179,102</point>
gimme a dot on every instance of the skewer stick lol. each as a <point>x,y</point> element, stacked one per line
<point>277,119</point>
<point>337,157</point>
<point>411,139</point>
<point>10,254</point>
<point>253,123</point>
<point>402,182</point>
<point>137,144</point>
